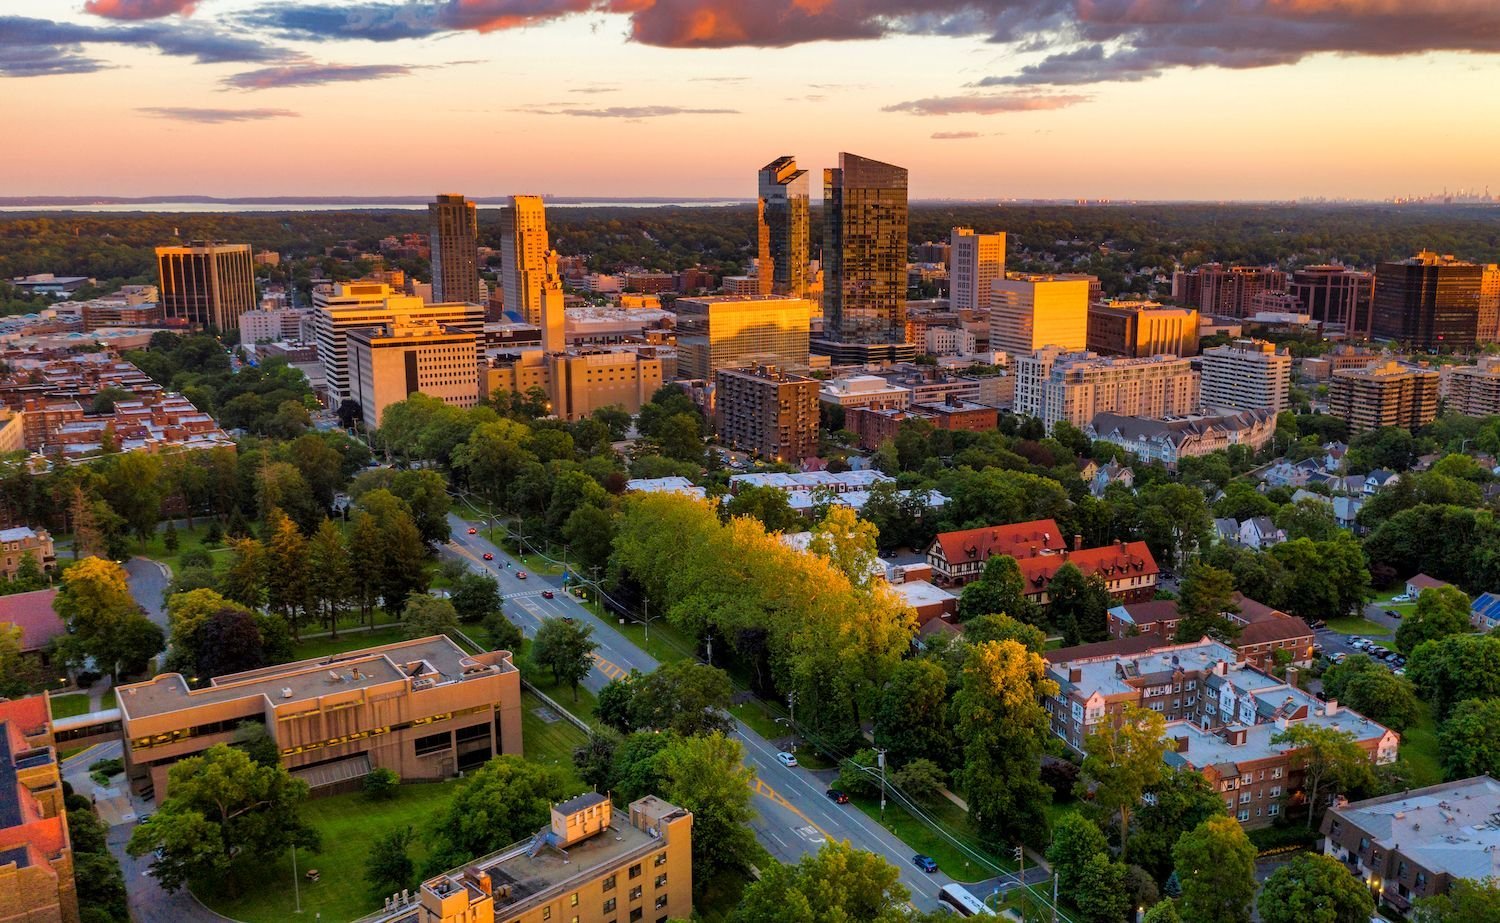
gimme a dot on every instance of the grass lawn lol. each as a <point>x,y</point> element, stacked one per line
<point>1357,625</point>
<point>667,645</point>
<point>108,699</point>
<point>583,707</point>
<point>549,743</point>
<point>156,548</point>
<point>348,640</point>
<point>1419,747</point>
<point>916,834</point>
<point>73,703</point>
<point>349,824</point>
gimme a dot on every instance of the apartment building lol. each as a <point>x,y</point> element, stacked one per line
<point>1247,375</point>
<point>867,391</point>
<point>1415,844</point>
<point>1321,368</point>
<point>874,427</point>
<point>1386,394</point>
<point>156,422</point>
<point>270,326</point>
<point>958,558</point>
<point>1472,390</point>
<point>587,866</point>
<point>1141,328</point>
<point>1225,291</point>
<point>1169,440</point>
<point>1128,569</point>
<point>975,261</point>
<point>1221,715</point>
<point>36,852</point>
<point>454,238</point>
<point>391,362</point>
<point>22,542</point>
<point>424,708</point>
<point>1263,630</point>
<point>1028,313</point>
<point>1055,384</point>
<point>729,331</point>
<point>767,412</point>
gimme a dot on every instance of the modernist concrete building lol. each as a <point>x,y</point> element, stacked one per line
<point>1055,384</point>
<point>1028,313</point>
<point>583,380</point>
<point>454,236</point>
<point>1386,394</point>
<point>423,708</point>
<point>975,261</point>
<point>734,331</point>
<point>1247,375</point>
<point>1142,328</point>
<point>867,391</point>
<point>1472,390</point>
<point>770,413</point>
<point>391,362</point>
<point>36,852</point>
<point>206,284</point>
<point>781,225</point>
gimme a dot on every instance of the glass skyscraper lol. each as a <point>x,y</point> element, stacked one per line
<point>864,252</point>
<point>781,225</point>
<point>206,283</point>
<point>455,249</point>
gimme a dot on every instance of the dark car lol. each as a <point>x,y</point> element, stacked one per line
<point>925,863</point>
<point>1393,613</point>
<point>837,796</point>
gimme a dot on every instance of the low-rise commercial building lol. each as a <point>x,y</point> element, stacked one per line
<point>1387,394</point>
<point>767,412</point>
<point>1168,441</point>
<point>727,331</point>
<point>391,362</point>
<point>959,557</point>
<point>870,391</point>
<point>1247,375</point>
<point>874,427</point>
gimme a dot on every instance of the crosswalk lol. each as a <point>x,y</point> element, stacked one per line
<point>611,670</point>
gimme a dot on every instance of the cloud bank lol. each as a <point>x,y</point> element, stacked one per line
<point>214,116</point>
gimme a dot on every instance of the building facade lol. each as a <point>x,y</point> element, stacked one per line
<point>1128,569</point>
<point>1429,301</point>
<point>767,412</point>
<point>730,331</point>
<point>867,391</point>
<point>206,284</point>
<point>1472,390</point>
<point>1168,441</point>
<point>1225,291</point>
<point>1247,375</point>
<point>22,542</point>
<point>958,558</point>
<point>263,326</point>
<point>975,261</point>
<point>394,361</point>
<point>1384,394</point>
<point>454,237</point>
<point>781,224</point>
<point>1055,385</point>
<point>864,252</point>
<point>527,265</point>
<point>1489,303</point>
<point>36,851</point>
<point>1028,313</point>
<point>582,381</point>
<point>1338,297</point>
<point>1141,328</point>
<point>1263,630</point>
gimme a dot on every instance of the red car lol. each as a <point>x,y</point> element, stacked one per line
<point>473,531</point>
<point>546,594</point>
<point>488,556</point>
<point>520,575</point>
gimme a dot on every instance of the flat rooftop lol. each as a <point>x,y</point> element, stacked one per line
<point>1453,827</point>
<point>1103,674</point>
<point>436,658</point>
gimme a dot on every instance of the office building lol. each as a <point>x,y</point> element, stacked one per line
<point>864,252</point>
<point>1168,441</point>
<point>1247,375</point>
<point>869,391</point>
<point>349,305</point>
<point>1489,304</point>
<point>584,380</point>
<point>1416,843</point>
<point>527,265</point>
<point>1321,368</point>
<point>36,852</point>
<point>454,237</point>
<point>587,866</point>
<point>1428,302</point>
<point>1337,297</point>
<point>781,225</point>
<point>731,331</point>
<point>975,261</point>
<point>276,324</point>
<point>1028,313</point>
<point>1385,394</point>
<point>206,284</point>
<point>391,362</point>
<point>1225,291</point>
<point>767,412</point>
<point>423,708</point>
<point>1141,328</point>
<point>1471,390</point>
<point>1055,384</point>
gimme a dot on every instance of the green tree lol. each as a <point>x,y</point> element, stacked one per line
<point>678,437</point>
<point>1102,896</point>
<point>18,672</point>
<point>768,504</point>
<point>1004,628</point>
<point>476,596</point>
<point>1204,601</point>
<point>860,774</point>
<point>1078,604</point>
<point>504,634</point>
<point>1181,800</point>
<point>330,575</point>
<point>1324,580</point>
<point>636,770</point>
<point>1467,901</point>
<point>1383,696</point>
<point>1163,912</point>
<point>683,696</point>
<point>286,573</point>
<point>707,776</point>
<point>1330,759</point>
<point>102,617</point>
<point>566,649</point>
<point>999,590</point>
<point>589,533</point>
<point>1075,840</point>
<point>1216,866</point>
<point>1470,739</point>
<point>1338,676</point>
<point>1123,760</point>
<point>1440,612</point>
<point>389,868</point>
<point>911,714</point>
<point>1175,521</point>
<point>613,705</point>
<point>848,542</point>
<point>1458,667</point>
<point>426,615</point>
<point>497,804</point>
<point>1314,888</point>
<point>837,883</point>
<point>244,581</point>
<point>920,778</point>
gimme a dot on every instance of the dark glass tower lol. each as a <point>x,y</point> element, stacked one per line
<point>781,226</point>
<point>864,252</point>
<point>455,249</point>
<point>1428,302</point>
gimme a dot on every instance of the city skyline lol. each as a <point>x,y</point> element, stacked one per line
<point>979,100</point>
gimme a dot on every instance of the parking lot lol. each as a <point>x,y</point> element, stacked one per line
<point>1338,646</point>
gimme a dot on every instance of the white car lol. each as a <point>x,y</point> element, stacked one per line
<point>1403,598</point>
<point>786,759</point>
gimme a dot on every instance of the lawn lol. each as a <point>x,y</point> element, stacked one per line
<point>156,548</point>
<point>549,743</point>
<point>73,703</point>
<point>349,825</point>
<point>667,645</point>
<point>583,706</point>
<point>1358,625</point>
<point>918,835</point>
<point>108,699</point>
<point>349,640</point>
<point>1419,747</point>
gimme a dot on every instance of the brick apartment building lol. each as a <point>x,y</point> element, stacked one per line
<point>875,426</point>
<point>1128,570</point>
<point>767,412</point>
<point>36,853</point>
<point>21,542</point>
<point>959,557</point>
<point>1263,630</point>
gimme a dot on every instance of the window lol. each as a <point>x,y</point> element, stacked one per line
<point>1247,778</point>
<point>1421,881</point>
<point>546,913</point>
<point>472,732</point>
<point>433,743</point>
<point>1275,791</point>
<point>635,871</point>
<point>661,901</point>
<point>609,883</point>
<point>609,906</point>
<point>661,880</point>
<point>1364,843</point>
<point>635,893</point>
<point>1244,797</point>
<point>1244,815</point>
<point>636,914</point>
<point>573,901</point>
<point>661,859</point>
<point>1276,774</point>
<point>1273,810</point>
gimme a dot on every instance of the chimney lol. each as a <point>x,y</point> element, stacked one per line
<point>1331,707</point>
<point>1237,736</point>
<point>1075,674</point>
<point>1077,542</point>
<point>1180,744</point>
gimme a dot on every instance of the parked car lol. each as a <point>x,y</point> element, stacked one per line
<point>838,797</point>
<point>925,863</point>
<point>1399,671</point>
<point>1393,613</point>
<point>786,759</point>
<point>1403,598</point>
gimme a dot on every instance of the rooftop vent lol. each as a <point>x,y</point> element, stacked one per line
<point>286,692</point>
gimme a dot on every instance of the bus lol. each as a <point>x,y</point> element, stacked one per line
<point>959,900</point>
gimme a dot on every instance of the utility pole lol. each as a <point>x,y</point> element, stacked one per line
<point>791,704</point>
<point>296,885</point>
<point>1021,864</point>
<point>647,619</point>
<point>710,649</point>
<point>880,761</point>
<point>1054,895</point>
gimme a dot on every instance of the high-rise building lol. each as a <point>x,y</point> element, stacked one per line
<point>1489,304</point>
<point>1388,394</point>
<point>1428,302</point>
<point>770,413</point>
<point>455,249</point>
<point>349,305</point>
<point>732,332</point>
<point>974,262</point>
<point>206,284</point>
<point>526,264</point>
<point>1337,297</point>
<point>1225,291</point>
<point>1142,328</point>
<point>1247,375</point>
<point>1030,312</point>
<point>782,228</point>
<point>1472,390</point>
<point>864,252</point>
<point>391,362</point>
<point>1055,384</point>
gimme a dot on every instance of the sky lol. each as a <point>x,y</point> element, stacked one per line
<point>979,99</point>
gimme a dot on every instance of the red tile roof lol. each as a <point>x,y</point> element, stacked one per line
<point>1109,562</point>
<point>1264,631</point>
<point>30,714</point>
<point>33,612</point>
<point>1015,540</point>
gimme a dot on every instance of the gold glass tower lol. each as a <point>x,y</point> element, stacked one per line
<point>455,249</point>
<point>781,225</point>
<point>207,284</point>
<point>864,251</point>
<point>525,268</point>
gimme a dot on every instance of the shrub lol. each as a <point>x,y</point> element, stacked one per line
<point>196,557</point>
<point>382,783</point>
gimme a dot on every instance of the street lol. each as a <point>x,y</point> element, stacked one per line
<point>795,814</point>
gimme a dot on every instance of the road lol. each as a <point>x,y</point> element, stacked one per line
<point>795,816</point>
<point>148,584</point>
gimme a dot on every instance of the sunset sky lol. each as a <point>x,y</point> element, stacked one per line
<point>1158,99</point>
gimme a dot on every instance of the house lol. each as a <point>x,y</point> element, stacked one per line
<point>1291,474</point>
<point>1349,485</point>
<point>1484,612</point>
<point>959,557</point>
<point>1415,585</point>
<point>1128,570</point>
<point>1380,478</point>
<point>1111,473</point>
<point>1087,468</point>
<point>1346,511</point>
<point>19,543</point>
<point>33,613</point>
<point>1333,455</point>
<point>1260,532</point>
<point>1303,494</point>
<point>1425,462</point>
<point>1227,530</point>
<point>1263,629</point>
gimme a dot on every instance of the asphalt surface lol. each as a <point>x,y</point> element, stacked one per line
<point>795,816</point>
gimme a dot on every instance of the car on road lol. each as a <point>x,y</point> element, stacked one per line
<point>473,531</point>
<point>838,797</point>
<point>520,575</point>
<point>786,759</point>
<point>1399,671</point>
<point>925,863</point>
<point>488,556</point>
<point>1393,613</point>
<point>546,594</point>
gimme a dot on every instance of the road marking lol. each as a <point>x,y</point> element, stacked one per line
<point>523,594</point>
<point>613,671</point>
<point>770,794</point>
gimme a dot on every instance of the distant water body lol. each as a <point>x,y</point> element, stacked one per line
<point>226,207</point>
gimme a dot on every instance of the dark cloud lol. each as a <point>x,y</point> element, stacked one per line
<point>139,9</point>
<point>306,75</point>
<point>988,105</point>
<point>954,135</point>
<point>631,112</point>
<point>25,44</point>
<point>45,61</point>
<point>215,116</point>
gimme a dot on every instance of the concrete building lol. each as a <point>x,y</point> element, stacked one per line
<point>767,412</point>
<point>1263,630</point>
<point>527,264</point>
<point>391,362</point>
<point>36,851</point>
<point>424,708</point>
<point>949,341</point>
<point>1169,440</point>
<point>263,326</point>
<point>1321,368</point>
<point>454,237</point>
<point>1429,301</point>
<point>1386,394</point>
<point>1472,390</point>
<point>1141,328</point>
<point>1336,296</point>
<point>781,224</point>
<point>1225,291</point>
<point>587,866</point>
<point>867,391</point>
<point>206,284</point>
<point>350,305</point>
<point>1028,313</point>
<point>1055,384</point>
<point>1416,843</point>
<point>864,253</point>
<point>1489,304</point>
<point>958,558</point>
<point>582,381</point>
<point>728,331</point>
<point>1247,375</point>
<point>975,261</point>
<point>22,542</point>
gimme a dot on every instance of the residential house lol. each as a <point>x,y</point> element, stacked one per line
<point>1128,570</point>
<point>1112,473</point>
<point>1260,533</point>
<point>1226,530</point>
<point>1380,478</point>
<point>1415,585</point>
<point>1484,612</point>
<point>1346,512</point>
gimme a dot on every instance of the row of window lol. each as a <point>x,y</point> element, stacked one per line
<point>635,894</point>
